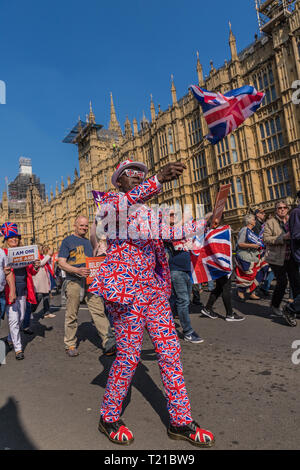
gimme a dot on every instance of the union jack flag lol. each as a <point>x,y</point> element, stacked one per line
<point>249,275</point>
<point>214,259</point>
<point>224,113</point>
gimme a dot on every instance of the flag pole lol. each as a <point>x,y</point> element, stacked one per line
<point>199,148</point>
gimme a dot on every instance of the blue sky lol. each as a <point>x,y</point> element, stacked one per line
<point>57,56</point>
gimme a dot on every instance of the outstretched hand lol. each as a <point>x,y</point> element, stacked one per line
<point>170,171</point>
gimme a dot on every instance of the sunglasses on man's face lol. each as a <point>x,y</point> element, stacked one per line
<point>282,207</point>
<point>133,173</point>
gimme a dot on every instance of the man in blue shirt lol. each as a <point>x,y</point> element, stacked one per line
<point>180,268</point>
<point>72,259</point>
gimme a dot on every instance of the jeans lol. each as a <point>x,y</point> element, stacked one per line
<point>2,305</point>
<point>289,271</point>
<point>210,286</point>
<point>180,298</point>
<point>26,321</point>
<point>267,283</point>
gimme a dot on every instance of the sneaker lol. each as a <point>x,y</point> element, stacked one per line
<point>289,317</point>
<point>49,315</point>
<point>234,317</point>
<point>20,356</point>
<point>276,312</point>
<point>193,434</point>
<point>72,352</point>
<point>116,432</point>
<point>193,338</point>
<point>208,313</point>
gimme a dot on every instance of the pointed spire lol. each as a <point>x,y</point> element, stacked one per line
<point>69,180</point>
<point>92,119</point>
<point>113,124</point>
<point>51,192</point>
<point>135,127</point>
<point>232,44</point>
<point>173,90</point>
<point>56,189</point>
<point>199,71</point>
<point>62,185</point>
<point>128,130</point>
<point>79,125</point>
<point>152,109</point>
<point>144,121</point>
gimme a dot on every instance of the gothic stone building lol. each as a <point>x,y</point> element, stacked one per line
<point>260,159</point>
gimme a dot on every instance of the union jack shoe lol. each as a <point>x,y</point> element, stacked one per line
<point>116,432</point>
<point>192,433</point>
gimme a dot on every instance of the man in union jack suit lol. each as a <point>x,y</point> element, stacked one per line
<point>134,281</point>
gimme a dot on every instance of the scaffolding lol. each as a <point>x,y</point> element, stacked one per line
<point>80,131</point>
<point>17,189</point>
<point>271,11</point>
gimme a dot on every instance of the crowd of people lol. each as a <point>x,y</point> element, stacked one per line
<point>144,283</point>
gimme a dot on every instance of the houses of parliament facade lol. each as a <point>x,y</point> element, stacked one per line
<point>261,159</point>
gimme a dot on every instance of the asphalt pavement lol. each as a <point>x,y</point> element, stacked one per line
<point>243,383</point>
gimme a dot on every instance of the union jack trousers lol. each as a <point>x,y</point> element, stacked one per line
<point>150,309</point>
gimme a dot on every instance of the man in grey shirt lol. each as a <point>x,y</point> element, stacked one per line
<point>71,258</point>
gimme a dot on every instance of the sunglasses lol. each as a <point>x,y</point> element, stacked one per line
<point>133,173</point>
<point>282,207</point>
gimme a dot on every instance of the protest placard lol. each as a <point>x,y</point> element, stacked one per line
<point>22,256</point>
<point>220,203</point>
<point>94,265</point>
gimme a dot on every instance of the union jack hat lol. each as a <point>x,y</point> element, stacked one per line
<point>126,164</point>
<point>9,230</point>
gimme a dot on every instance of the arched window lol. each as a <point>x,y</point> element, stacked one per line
<point>240,191</point>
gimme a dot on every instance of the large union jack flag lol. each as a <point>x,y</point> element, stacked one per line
<point>224,113</point>
<point>214,259</point>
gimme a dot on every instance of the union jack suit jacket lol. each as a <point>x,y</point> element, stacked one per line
<point>130,264</point>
